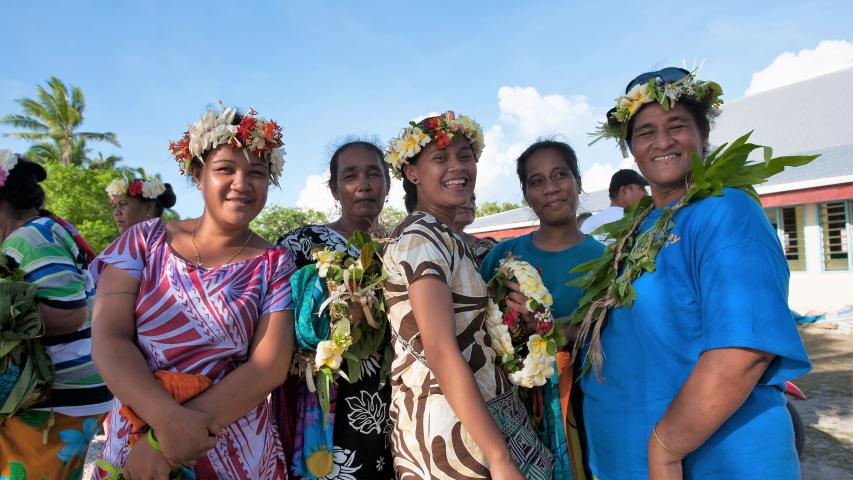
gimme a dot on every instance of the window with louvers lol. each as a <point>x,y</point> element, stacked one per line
<point>835,232</point>
<point>788,223</point>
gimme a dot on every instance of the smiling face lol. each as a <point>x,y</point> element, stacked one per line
<point>552,190</point>
<point>444,177</point>
<point>361,185</point>
<point>663,143</point>
<point>234,188</point>
<point>128,211</point>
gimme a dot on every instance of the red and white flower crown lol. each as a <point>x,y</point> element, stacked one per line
<point>253,133</point>
<point>149,188</point>
<point>442,129</point>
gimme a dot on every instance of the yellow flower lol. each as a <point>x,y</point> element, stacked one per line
<point>412,142</point>
<point>320,462</point>
<point>537,344</point>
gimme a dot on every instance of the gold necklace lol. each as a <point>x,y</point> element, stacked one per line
<point>198,256</point>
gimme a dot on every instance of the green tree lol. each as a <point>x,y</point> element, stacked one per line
<point>275,220</point>
<point>76,194</point>
<point>52,121</point>
<point>491,208</point>
<point>388,219</point>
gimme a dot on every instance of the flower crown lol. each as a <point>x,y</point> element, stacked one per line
<point>253,133</point>
<point>664,93</point>
<point>443,129</point>
<point>150,188</point>
<point>8,160</point>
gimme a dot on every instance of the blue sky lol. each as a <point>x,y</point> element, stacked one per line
<point>326,70</point>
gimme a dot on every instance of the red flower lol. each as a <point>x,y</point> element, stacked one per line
<point>544,327</point>
<point>135,188</point>
<point>442,139</point>
<point>510,319</point>
<point>432,123</point>
<point>181,148</point>
<point>245,128</point>
<point>272,132</point>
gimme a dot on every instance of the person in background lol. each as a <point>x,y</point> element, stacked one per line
<point>194,324</point>
<point>627,187</point>
<point>139,200</point>
<point>582,217</point>
<point>358,423</point>
<point>465,216</point>
<point>50,440</point>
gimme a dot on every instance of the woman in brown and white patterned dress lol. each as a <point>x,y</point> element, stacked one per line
<point>446,387</point>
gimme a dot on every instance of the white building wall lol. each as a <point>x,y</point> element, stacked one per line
<point>815,290</point>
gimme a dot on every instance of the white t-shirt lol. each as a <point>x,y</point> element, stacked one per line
<point>608,215</point>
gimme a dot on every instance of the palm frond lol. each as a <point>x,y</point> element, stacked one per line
<point>23,121</point>
<point>100,137</point>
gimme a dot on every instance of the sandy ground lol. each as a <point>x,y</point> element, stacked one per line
<point>827,412</point>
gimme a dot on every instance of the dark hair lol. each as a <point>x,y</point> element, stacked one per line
<point>700,111</point>
<point>22,190</point>
<point>566,153</point>
<point>165,200</point>
<point>410,190</point>
<point>369,146</point>
<point>623,178</point>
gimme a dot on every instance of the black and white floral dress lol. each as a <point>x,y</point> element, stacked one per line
<point>362,427</point>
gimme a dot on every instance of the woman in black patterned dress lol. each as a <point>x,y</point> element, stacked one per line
<point>359,181</point>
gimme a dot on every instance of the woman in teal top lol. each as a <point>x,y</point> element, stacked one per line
<point>550,181</point>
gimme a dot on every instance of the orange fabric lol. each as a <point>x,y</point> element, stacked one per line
<point>566,377</point>
<point>181,386</point>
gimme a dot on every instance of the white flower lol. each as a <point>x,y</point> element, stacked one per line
<point>276,164</point>
<point>117,188</point>
<point>152,188</point>
<point>211,131</point>
<point>324,259</point>
<point>328,355</point>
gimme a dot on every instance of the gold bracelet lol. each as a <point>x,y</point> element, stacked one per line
<point>665,446</point>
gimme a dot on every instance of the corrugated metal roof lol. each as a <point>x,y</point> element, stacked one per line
<point>806,116</point>
<point>833,162</point>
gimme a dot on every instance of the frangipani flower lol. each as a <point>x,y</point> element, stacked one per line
<point>117,188</point>
<point>153,188</point>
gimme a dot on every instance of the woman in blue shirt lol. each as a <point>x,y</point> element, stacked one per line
<point>550,181</point>
<point>690,385</point>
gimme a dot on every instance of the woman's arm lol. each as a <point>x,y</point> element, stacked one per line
<point>59,321</point>
<point>184,434</point>
<point>719,384</point>
<point>433,309</point>
<point>249,384</point>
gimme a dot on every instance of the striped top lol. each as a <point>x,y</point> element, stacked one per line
<point>51,260</point>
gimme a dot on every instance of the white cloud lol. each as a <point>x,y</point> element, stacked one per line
<point>597,176</point>
<point>789,67</point>
<point>525,116</point>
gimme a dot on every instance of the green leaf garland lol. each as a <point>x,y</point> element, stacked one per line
<point>609,279</point>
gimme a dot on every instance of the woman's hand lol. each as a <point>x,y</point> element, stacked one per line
<point>517,301</point>
<point>505,470</point>
<point>185,435</point>
<point>145,463</point>
<point>663,465</point>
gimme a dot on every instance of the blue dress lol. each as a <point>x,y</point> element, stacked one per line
<point>721,282</point>
<point>555,269</point>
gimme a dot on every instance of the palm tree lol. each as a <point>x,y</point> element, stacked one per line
<point>51,120</point>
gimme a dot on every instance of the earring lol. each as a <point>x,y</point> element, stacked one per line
<point>415,181</point>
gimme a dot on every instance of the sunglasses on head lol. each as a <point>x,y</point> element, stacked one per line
<point>666,75</point>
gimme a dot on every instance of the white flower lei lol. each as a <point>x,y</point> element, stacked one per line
<point>536,367</point>
<point>443,128</point>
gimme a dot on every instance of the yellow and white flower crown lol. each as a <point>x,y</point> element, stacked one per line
<point>252,133</point>
<point>665,93</point>
<point>442,129</point>
<point>149,188</point>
